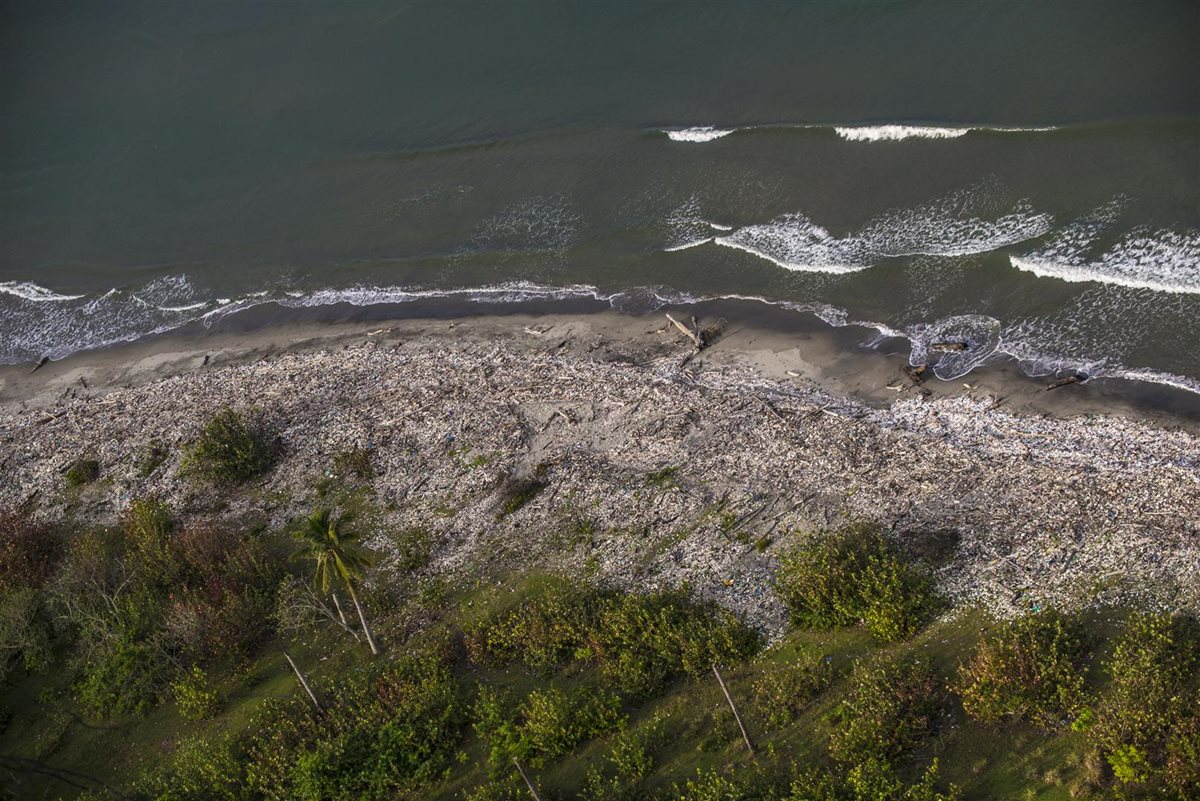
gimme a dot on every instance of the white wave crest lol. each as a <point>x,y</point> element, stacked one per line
<point>956,225</point>
<point>27,290</point>
<point>703,133</point>
<point>889,133</point>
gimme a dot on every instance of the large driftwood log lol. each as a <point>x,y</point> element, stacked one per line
<point>694,335</point>
<point>948,347</point>
<point>1071,379</point>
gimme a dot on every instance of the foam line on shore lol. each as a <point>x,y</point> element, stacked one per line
<point>989,344</point>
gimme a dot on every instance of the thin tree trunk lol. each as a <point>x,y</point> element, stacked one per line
<point>303,683</point>
<point>736,715</point>
<point>363,619</point>
<point>338,605</point>
<point>528,783</point>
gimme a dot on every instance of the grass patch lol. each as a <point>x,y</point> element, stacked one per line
<point>84,470</point>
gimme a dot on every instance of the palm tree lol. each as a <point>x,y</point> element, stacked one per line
<point>330,544</point>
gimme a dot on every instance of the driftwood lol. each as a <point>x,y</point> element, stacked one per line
<point>736,715</point>
<point>915,373</point>
<point>528,783</point>
<point>1077,378</point>
<point>948,347</point>
<point>40,365</point>
<point>693,333</point>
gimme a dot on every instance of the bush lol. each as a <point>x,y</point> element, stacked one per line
<point>383,735</point>
<point>542,632</point>
<point>548,725</point>
<point>194,695</point>
<point>82,471</point>
<point>640,642</point>
<point>200,770</point>
<point>628,764</point>
<point>855,576</point>
<point>24,631</point>
<point>711,786</point>
<point>891,707</point>
<point>232,448</point>
<point>1028,669</point>
<point>29,551</point>
<point>871,780</point>
<point>783,691</point>
<point>1142,713</point>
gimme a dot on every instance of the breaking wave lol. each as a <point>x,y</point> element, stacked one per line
<point>704,133</point>
<point>889,132</point>
<point>961,224</point>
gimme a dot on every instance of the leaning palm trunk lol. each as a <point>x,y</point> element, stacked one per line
<point>341,614</point>
<point>362,619</point>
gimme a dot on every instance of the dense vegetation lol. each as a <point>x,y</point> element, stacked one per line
<point>176,658</point>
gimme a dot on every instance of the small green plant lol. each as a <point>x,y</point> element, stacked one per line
<point>82,471</point>
<point>855,576</point>
<point>153,455</point>
<point>663,477</point>
<point>709,785</point>
<point>232,448</point>
<point>414,546</point>
<point>627,765</point>
<point>891,707</point>
<point>782,692</point>
<point>194,694</point>
<point>517,494</point>
<point>1029,669</point>
<point>354,462</point>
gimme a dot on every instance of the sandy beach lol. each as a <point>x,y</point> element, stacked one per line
<point>654,465</point>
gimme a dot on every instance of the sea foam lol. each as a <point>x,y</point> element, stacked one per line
<point>27,290</point>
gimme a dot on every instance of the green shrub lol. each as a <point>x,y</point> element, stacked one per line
<point>1147,700</point>
<point>383,735</point>
<point>542,632</point>
<point>25,633</point>
<point>782,692</point>
<point>232,448</point>
<point>1029,669</point>
<point>628,763</point>
<point>891,706</point>
<point>639,641</point>
<point>548,725</point>
<point>870,780</point>
<point>82,471</point>
<point>711,786</point>
<point>200,770</point>
<point>855,576</point>
<point>195,696</point>
<point>126,677</point>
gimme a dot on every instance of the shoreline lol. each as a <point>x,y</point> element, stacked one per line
<point>851,360</point>
<point>681,467</point>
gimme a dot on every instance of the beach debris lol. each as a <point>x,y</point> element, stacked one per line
<point>895,387</point>
<point>693,333</point>
<point>794,373</point>
<point>1074,378</point>
<point>915,373</point>
<point>40,365</point>
<point>536,331</point>
<point>949,347</point>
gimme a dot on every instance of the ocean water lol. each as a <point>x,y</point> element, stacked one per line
<point>1022,176</point>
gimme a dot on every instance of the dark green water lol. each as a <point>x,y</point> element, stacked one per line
<point>202,157</point>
